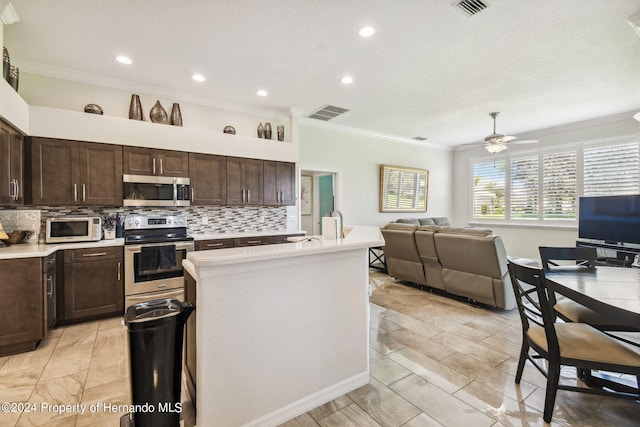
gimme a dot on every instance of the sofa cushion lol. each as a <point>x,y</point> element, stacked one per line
<point>412,221</point>
<point>469,231</point>
<point>426,221</point>
<point>400,226</point>
<point>442,221</point>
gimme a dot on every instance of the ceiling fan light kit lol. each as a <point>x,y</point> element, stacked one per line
<point>495,147</point>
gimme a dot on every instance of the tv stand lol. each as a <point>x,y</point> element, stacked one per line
<point>624,255</point>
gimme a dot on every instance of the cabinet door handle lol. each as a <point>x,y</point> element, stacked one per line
<point>49,286</point>
<point>75,192</point>
<point>253,242</point>
<point>242,196</point>
<point>11,194</point>
<point>119,263</point>
<point>154,166</point>
<point>214,245</point>
<point>193,194</point>
<point>95,254</point>
<point>248,196</point>
<point>17,189</point>
<point>84,193</point>
<point>161,168</point>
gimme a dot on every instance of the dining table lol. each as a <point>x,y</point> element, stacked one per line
<point>614,292</point>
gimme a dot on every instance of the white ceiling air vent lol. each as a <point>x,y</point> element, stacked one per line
<point>471,7</point>
<point>419,138</point>
<point>327,113</point>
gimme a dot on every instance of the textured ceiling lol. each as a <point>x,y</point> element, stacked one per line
<point>430,70</point>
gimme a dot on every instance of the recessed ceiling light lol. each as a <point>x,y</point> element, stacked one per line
<point>366,31</point>
<point>262,92</point>
<point>198,77</point>
<point>347,80</point>
<point>124,59</point>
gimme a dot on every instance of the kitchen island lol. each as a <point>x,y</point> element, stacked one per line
<point>279,329</point>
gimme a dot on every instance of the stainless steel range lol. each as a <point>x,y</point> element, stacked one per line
<point>154,249</point>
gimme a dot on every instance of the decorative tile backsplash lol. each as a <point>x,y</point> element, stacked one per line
<point>219,218</point>
<point>22,220</point>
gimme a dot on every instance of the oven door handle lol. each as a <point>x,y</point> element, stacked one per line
<point>179,245</point>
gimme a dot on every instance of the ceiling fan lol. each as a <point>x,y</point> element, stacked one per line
<point>497,142</point>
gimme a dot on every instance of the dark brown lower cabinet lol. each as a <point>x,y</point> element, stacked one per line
<point>190,336</point>
<point>50,281</point>
<point>93,284</point>
<point>23,297</point>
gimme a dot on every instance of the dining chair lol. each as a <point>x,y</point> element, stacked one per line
<point>584,258</point>
<point>564,344</point>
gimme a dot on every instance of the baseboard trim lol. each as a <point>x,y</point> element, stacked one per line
<point>314,400</point>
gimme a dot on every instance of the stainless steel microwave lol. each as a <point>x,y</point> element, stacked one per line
<point>143,190</point>
<point>73,229</point>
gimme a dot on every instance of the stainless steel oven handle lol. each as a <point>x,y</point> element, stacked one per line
<point>179,245</point>
<point>146,296</point>
<point>154,165</point>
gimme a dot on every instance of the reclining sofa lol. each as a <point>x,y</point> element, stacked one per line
<point>467,262</point>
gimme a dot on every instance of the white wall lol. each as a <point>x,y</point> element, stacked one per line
<point>73,95</point>
<point>523,241</point>
<point>356,158</point>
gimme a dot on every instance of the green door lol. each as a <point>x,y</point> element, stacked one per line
<point>325,197</point>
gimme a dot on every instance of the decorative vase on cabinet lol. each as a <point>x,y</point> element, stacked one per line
<point>158,114</point>
<point>14,77</point>
<point>176,115</point>
<point>267,130</point>
<point>280,129</point>
<point>6,63</point>
<point>260,130</point>
<point>135,108</point>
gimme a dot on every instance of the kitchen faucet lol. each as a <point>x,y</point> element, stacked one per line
<point>341,222</point>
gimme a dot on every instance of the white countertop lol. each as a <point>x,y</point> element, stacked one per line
<point>31,250</point>
<point>358,237</point>
<point>36,250</point>
<point>240,234</point>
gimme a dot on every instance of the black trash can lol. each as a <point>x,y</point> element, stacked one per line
<point>156,331</point>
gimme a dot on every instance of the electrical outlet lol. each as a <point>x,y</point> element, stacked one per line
<point>261,219</point>
<point>205,220</point>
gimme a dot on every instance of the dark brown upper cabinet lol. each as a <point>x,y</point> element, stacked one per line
<point>245,181</point>
<point>208,177</point>
<point>11,165</point>
<point>75,173</point>
<point>149,161</point>
<point>279,183</point>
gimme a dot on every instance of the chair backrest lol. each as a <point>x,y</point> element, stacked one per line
<point>583,256</point>
<point>535,302</point>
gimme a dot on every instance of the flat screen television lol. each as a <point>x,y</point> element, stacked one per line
<point>614,219</point>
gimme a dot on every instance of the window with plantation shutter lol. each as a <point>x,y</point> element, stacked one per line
<point>524,188</point>
<point>489,190</point>
<point>559,193</point>
<point>611,170</point>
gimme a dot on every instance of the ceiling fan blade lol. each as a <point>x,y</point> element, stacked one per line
<point>525,141</point>
<point>508,138</point>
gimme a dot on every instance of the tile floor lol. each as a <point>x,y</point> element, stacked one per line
<point>434,361</point>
